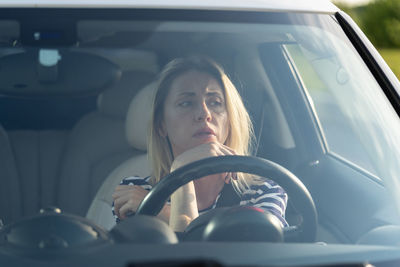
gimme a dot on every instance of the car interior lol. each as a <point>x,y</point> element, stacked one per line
<point>74,120</point>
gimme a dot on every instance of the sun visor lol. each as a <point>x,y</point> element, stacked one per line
<point>53,72</point>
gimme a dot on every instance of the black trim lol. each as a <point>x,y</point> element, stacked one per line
<point>275,63</point>
<point>314,121</point>
<point>66,15</point>
<point>356,167</point>
<point>371,57</point>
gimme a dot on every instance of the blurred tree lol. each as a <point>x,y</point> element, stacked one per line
<point>354,13</point>
<point>381,22</point>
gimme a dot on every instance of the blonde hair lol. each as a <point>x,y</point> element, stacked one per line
<point>240,136</point>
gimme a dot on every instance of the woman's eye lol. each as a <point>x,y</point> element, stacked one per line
<point>184,104</point>
<point>216,103</point>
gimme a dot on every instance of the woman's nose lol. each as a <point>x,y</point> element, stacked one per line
<point>203,113</point>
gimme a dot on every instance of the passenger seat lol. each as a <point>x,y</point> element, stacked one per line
<point>97,144</point>
<point>136,127</point>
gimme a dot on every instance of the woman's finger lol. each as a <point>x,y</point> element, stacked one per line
<point>199,152</point>
<point>124,187</point>
<point>231,175</point>
<point>229,149</point>
<point>119,193</point>
<point>122,211</point>
<point>129,199</point>
<point>119,202</point>
<point>225,151</point>
<point>213,148</point>
<point>128,207</point>
<point>122,199</point>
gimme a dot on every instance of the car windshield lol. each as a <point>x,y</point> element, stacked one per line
<point>76,101</point>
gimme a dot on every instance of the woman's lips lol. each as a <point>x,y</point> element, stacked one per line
<point>201,135</point>
<point>204,133</point>
<point>205,138</point>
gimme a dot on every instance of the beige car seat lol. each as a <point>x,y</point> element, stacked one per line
<point>136,129</point>
<point>97,145</point>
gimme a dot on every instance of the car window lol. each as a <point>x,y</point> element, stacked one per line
<point>336,126</point>
<point>350,106</point>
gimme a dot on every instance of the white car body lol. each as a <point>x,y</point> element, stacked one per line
<point>321,6</point>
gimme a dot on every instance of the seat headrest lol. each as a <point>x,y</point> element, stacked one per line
<point>138,117</point>
<point>115,101</point>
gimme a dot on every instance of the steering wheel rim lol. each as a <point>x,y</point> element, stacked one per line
<point>302,200</point>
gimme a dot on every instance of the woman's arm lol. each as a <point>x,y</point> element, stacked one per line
<point>183,202</point>
<point>165,213</point>
<point>268,196</point>
<point>183,207</point>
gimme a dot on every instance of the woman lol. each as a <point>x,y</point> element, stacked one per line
<point>198,113</point>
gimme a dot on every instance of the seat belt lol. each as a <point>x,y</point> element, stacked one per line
<point>229,197</point>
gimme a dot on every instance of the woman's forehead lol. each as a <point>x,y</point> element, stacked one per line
<point>194,82</point>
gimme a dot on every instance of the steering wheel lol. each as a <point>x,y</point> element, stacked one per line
<point>302,201</point>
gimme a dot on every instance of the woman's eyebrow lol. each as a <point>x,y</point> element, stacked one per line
<point>191,94</point>
<point>215,93</point>
<point>186,94</point>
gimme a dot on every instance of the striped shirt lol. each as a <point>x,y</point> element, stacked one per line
<point>268,196</point>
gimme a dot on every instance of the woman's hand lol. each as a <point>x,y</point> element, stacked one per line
<point>202,151</point>
<point>199,152</point>
<point>127,199</point>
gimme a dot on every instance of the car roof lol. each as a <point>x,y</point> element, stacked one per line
<point>321,6</point>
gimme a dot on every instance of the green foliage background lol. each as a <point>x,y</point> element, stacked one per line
<point>380,21</point>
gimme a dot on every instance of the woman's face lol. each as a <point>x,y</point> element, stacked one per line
<point>194,112</point>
